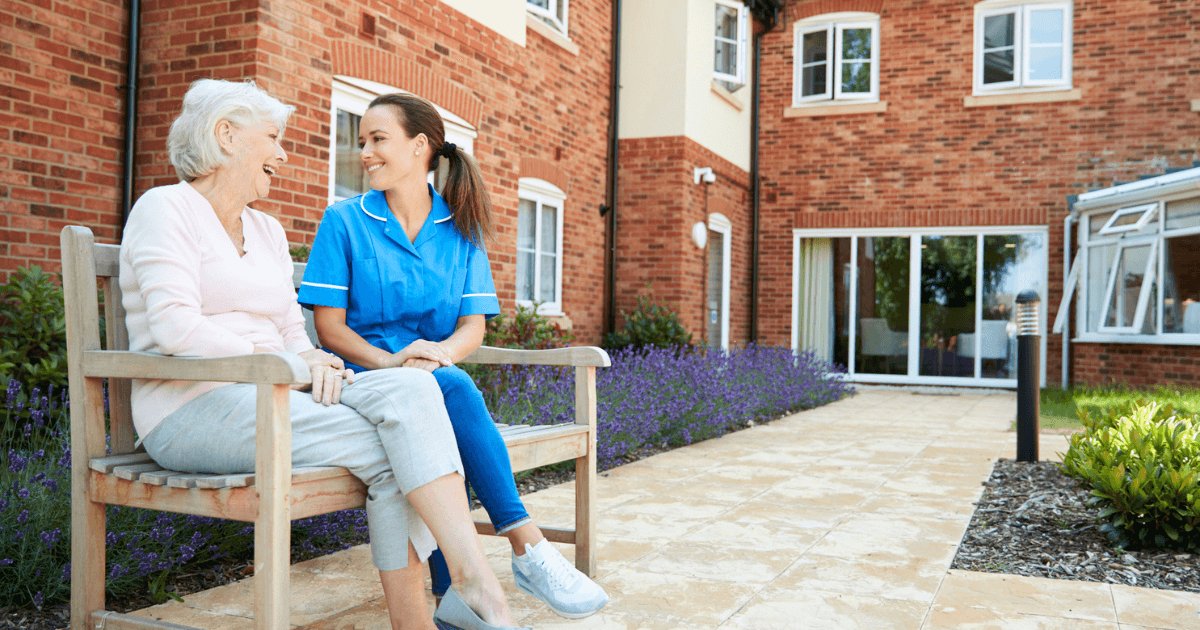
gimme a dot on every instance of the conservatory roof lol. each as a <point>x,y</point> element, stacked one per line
<point>1142,190</point>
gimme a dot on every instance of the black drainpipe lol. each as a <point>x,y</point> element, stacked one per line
<point>772,22</point>
<point>609,211</point>
<point>131,81</point>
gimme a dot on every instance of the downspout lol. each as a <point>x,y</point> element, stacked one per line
<point>609,211</point>
<point>1071,218</point>
<point>131,81</point>
<point>754,176</point>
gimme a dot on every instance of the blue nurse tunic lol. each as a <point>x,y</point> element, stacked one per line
<point>395,291</point>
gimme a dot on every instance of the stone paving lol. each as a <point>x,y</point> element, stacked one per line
<point>847,516</point>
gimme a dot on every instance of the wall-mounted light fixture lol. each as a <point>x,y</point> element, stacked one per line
<point>704,174</point>
<point>700,235</point>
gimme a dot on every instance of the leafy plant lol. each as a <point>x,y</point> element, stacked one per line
<point>299,253</point>
<point>526,330</point>
<point>1141,462</point>
<point>33,330</point>
<point>651,324</point>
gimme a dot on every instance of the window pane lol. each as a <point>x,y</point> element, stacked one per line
<point>349,177</point>
<point>883,284</point>
<point>542,4</point>
<point>815,47</point>
<point>948,268</point>
<point>715,288</point>
<point>1181,284</point>
<point>814,77</point>
<point>1011,264</point>
<point>824,294</point>
<point>814,80</point>
<point>1046,26</point>
<point>525,276</point>
<point>726,58</point>
<point>549,230</point>
<point>525,224</point>
<point>998,67</point>
<point>1045,63</point>
<point>727,22</point>
<point>1097,221</point>
<point>856,44</point>
<point>1184,213</point>
<point>561,10</point>
<point>546,288</point>
<point>999,31</point>
<point>1131,269</point>
<point>856,78</point>
<point>1099,263</point>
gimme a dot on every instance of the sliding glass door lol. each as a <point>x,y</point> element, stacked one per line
<point>916,306</point>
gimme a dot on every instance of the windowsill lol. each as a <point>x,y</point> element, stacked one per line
<point>555,37</point>
<point>1022,98</point>
<point>840,109</point>
<point>727,96</point>
<point>1196,105</point>
<point>1150,340</point>
<point>544,311</point>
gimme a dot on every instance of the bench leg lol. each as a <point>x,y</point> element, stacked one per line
<point>273,527</point>
<point>585,473</point>
<point>87,559</point>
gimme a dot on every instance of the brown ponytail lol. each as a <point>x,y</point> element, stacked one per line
<point>465,191</point>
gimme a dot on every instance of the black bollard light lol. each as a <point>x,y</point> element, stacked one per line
<point>1029,376</point>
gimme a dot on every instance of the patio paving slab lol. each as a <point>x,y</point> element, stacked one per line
<point>845,517</point>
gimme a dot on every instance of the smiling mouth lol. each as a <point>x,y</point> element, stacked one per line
<point>372,169</point>
<point>269,170</point>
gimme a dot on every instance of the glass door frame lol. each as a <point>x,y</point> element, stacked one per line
<point>913,376</point>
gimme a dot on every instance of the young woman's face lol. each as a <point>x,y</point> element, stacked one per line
<point>388,155</point>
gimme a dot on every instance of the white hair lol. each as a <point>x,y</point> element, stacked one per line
<point>192,143</point>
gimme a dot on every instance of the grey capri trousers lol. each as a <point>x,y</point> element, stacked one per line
<point>390,430</point>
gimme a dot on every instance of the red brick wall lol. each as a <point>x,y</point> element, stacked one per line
<point>61,125</point>
<point>1134,365</point>
<point>929,160</point>
<point>659,203</point>
<point>537,101</point>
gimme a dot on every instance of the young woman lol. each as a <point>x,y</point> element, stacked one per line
<point>398,275</point>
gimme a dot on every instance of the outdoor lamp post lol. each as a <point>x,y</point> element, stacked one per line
<point>1029,376</point>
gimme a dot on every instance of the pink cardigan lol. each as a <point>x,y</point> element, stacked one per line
<point>187,293</point>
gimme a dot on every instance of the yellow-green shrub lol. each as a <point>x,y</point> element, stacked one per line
<point>1140,462</point>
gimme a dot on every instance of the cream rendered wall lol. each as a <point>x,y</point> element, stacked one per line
<point>667,77</point>
<point>506,17</point>
<point>711,120</point>
<point>653,68</point>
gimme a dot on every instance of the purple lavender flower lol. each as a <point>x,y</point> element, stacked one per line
<point>23,516</point>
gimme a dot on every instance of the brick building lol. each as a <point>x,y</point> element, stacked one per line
<point>920,161</point>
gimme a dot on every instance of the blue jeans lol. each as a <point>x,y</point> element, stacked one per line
<point>484,458</point>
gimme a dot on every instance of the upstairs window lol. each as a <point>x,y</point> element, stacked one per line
<point>552,12</point>
<point>1022,45</point>
<point>732,22</point>
<point>837,58</point>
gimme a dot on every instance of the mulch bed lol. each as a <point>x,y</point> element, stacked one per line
<point>1033,520</point>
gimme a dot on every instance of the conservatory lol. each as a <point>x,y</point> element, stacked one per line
<point>916,305</point>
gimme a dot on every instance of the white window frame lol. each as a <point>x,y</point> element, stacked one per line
<point>738,79</point>
<point>353,95</point>
<point>915,235</point>
<point>1147,211</point>
<point>834,25</point>
<point>542,192</point>
<point>1152,282</point>
<point>1022,25</point>
<point>550,15</point>
<point>721,224</point>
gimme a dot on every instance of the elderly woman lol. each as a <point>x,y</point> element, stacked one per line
<point>205,275</point>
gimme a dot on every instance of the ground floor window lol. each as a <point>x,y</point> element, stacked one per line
<point>916,306</point>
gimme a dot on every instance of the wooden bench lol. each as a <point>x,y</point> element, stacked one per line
<point>275,494</point>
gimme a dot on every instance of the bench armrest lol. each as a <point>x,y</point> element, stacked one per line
<point>583,356</point>
<point>276,368</point>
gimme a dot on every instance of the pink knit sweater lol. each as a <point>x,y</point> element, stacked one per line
<point>187,293</point>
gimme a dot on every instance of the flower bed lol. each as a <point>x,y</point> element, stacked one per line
<point>672,396</point>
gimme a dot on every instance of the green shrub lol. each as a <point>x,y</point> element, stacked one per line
<point>526,330</point>
<point>1141,461</point>
<point>33,330</point>
<point>650,324</point>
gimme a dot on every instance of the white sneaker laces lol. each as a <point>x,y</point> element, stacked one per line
<point>561,573</point>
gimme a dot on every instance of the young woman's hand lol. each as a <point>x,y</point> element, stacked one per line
<point>327,373</point>
<point>425,355</point>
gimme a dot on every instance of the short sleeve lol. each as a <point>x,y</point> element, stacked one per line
<point>479,293</point>
<point>327,275</point>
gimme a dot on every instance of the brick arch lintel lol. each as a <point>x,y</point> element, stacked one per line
<point>355,60</point>
<point>547,170</point>
<point>802,11</point>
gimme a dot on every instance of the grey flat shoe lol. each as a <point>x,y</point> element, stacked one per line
<point>455,614</point>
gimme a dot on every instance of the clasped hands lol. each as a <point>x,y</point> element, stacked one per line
<point>423,355</point>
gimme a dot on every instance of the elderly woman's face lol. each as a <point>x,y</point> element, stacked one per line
<point>257,156</point>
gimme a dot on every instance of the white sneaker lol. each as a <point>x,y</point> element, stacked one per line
<point>544,573</point>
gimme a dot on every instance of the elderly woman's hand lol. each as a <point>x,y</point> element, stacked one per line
<point>327,373</point>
